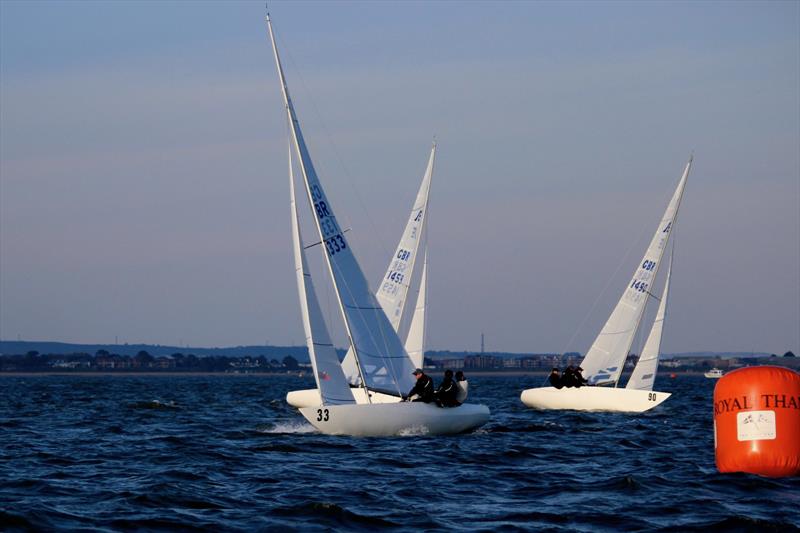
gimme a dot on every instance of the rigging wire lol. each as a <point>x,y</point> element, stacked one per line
<point>608,283</point>
<point>374,228</point>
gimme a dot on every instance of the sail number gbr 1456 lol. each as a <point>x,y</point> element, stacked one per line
<point>642,285</point>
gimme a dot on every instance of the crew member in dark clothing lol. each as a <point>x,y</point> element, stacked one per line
<point>448,391</point>
<point>568,377</point>
<point>423,389</point>
<point>555,379</point>
<point>579,379</point>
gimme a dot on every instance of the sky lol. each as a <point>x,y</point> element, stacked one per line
<point>143,165</point>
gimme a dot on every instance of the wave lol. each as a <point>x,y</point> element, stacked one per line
<point>332,513</point>
<point>154,404</point>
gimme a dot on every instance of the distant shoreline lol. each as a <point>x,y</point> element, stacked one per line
<point>469,373</point>
<point>153,374</point>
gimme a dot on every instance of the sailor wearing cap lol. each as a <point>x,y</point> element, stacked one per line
<point>423,389</point>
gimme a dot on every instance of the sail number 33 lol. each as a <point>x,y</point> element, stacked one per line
<point>323,415</point>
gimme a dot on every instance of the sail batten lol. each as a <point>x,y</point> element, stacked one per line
<point>606,357</point>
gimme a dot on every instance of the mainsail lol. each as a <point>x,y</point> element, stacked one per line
<point>604,360</point>
<point>393,290</point>
<point>383,363</point>
<point>331,382</point>
<point>644,375</point>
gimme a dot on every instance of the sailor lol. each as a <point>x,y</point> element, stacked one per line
<point>568,377</point>
<point>463,387</point>
<point>447,392</point>
<point>579,379</point>
<point>555,379</point>
<point>423,389</point>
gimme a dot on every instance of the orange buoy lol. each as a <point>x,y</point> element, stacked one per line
<point>673,375</point>
<point>757,421</point>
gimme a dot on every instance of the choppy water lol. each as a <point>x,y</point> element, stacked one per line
<point>227,453</point>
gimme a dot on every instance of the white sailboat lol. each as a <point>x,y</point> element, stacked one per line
<point>382,362</point>
<point>605,359</point>
<point>392,295</point>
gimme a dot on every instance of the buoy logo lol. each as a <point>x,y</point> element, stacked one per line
<point>755,425</point>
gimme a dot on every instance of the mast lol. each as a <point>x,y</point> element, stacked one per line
<point>293,127</point>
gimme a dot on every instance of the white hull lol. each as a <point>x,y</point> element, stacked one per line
<point>311,397</point>
<point>593,399</point>
<point>395,419</point>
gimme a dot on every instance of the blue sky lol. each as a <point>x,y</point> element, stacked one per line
<point>143,168</point>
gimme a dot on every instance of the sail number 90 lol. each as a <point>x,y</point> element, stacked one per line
<point>323,415</point>
<point>650,396</point>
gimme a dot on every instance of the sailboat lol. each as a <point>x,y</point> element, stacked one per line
<point>382,363</point>
<point>605,359</point>
<point>392,295</point>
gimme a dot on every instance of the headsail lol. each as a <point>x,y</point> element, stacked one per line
<point>644,375</point>
<point>331,382</point>
<point>415,341</point>
<point>604,360</point>
<point>383,362</point>
<point>393,290</point>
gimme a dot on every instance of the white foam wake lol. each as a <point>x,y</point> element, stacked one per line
<point>289,427</point>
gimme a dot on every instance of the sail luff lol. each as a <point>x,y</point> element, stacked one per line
<point>415,341</point>
<point>644,374</point>
<point>605,359</point>
<point>331,381</point>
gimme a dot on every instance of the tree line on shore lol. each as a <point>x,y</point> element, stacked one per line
<point>103,360</point>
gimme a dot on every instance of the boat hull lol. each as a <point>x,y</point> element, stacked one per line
<point>593,399</point>
<point>311,397</point>
<point>395,419</point>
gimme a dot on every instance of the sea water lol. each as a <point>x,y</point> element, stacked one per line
<point>227,453</point>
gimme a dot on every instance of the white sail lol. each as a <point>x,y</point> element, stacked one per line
<point>393,290</point>
<point>394,287</point>
<point>604,360</point>
<point>644,375</point>
<point>415,341</point>
<point>331,382</point>
<point>383,363</point>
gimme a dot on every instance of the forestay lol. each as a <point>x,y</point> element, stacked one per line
<point>393,290</point>
<point>604,360</point>
<point>644,375</point>
<point>331,382</point>
<point>383,362</point>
